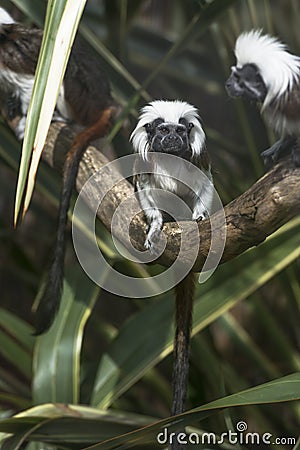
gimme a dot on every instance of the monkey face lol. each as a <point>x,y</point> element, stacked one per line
<point>246,82</point>
<point>168,137</point>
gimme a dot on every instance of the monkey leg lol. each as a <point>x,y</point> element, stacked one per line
<point>13,107</point>
<point>296,155</point>
<point>153,215</point>
<point>282,147</point>
<point>15,116</point>
<point>154,231</point>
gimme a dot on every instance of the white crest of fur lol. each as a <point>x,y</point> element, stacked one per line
<point>5,18</point>
<point>279,68</point>
<point>170,112</point>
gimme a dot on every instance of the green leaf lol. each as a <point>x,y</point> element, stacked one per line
<point>57,352</point>
<point>127,358</point>
<point>70,424</point>
<point>15,354</point>
<point>48,183</point>
<point>297,446</point>
<point>197,26</point>
<point>61,23</point>
<point>114,62</point>
<point>282,389</point>
<point>34,9</point>
<point>17,402</point>
<point>18,329</point>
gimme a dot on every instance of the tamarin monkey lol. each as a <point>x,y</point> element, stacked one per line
<point>173,127</point>
<point>267,73</point>
<point>84,98</point>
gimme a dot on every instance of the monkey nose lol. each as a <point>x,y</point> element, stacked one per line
<point>228,84</point>
<point>171,140</point>
<point>229,88</point>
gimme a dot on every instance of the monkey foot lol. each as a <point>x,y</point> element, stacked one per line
<point>280,149</point>
<point>153,243</point>
<point>296,156</point>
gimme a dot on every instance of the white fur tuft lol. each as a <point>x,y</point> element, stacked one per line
<point>278,68</point>
<point>170,112</point>
<point>5,18</point>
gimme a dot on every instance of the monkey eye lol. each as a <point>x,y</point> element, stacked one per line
<point>191,125</point>
<point>180,130</point>
<point>236,75</point>
<point>235,72</point>
<point>147,126</point>
<point>164,130</point>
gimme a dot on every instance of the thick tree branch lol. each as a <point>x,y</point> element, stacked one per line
<point>272,201</point>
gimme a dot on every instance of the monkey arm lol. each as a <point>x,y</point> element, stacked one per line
<point>153,215</point>
<point>203,201</point>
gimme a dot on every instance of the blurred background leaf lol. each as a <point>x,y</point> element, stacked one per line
<point>114,353</point>
<point>81,425</point>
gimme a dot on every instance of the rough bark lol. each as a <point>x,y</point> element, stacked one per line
<point>269,203</point>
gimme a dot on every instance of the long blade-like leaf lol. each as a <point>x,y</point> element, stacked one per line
<point>61,24</point>
<point>84,427</point>
<point>57,353</point>
<point>52,15</point>
<point>282,389</point>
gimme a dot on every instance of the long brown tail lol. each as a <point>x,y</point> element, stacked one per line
<point>50,299</point>
<point>185,291</point>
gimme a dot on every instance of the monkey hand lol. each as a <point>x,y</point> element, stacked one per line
<point>199,214</point>
<point>152,240</point>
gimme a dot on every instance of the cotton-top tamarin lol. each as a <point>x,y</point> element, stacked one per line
<point>267,73</point>
<point>84,98</point>
<point>173,128</point>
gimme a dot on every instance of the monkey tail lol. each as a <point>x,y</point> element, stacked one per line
<point>185,291</point>
<point>51,295</point>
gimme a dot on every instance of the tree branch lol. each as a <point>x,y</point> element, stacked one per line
<point>250,218</point>
<point>272,201</point>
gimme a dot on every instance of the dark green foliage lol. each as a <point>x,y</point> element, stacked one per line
<point>113,353</point>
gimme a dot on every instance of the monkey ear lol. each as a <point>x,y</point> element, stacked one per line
<point>190,126</point>
<point>149,129</point>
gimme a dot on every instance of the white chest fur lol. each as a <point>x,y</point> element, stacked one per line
<point>18,84</point>
<point>21,85</point>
